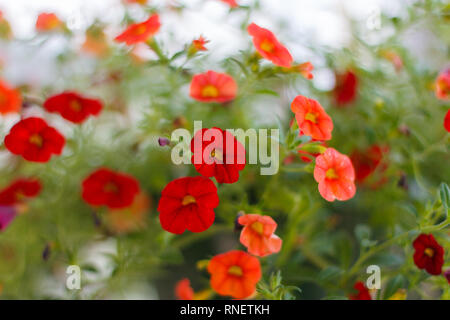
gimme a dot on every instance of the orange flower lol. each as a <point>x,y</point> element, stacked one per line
<point>258,236</point>
<point>304,69</point>
<point>234,273</point>
<point>335,174</point>
<point>10,99</point>
<point>213,87</point>
<point>269,47</point>
<point>311,118</point>
<point>183,290</point>
<point>443,85</point>
<point>95,42</point>
<point>199,44</point>
<point>140,32</point>
<point>232,3</point>
<point>141,2</point>
<point>48,22</point>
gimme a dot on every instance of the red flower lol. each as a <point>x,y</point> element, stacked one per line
<point>232,3</point>
<point>447,275</point>
<point>217,153</point>
<point>269,47</point>
<point>10,99</point>
<point>73,106</point>
<point>234,273</point>
<point>304,69</point>
<point>183,290</point>
<point>188,203</point>
<point>48,22</point>
<point>110,188</point>
<point>311,118</point>
<point>428,255</point>
<point>443,85</point>
<point>367,161</point>
<point>199,44</point>
<point>346,87</point>
<point>141,2</point>
<point>447,121</point>
<point>212,86</point>
<point>363,292</point>
<point>335,174</point>
<point>140,32</point>
<point>34,140</point>
<point>18,190</point>
<point>258,235</point>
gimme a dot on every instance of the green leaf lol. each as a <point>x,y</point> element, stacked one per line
<point>444,194</point>
<point>330,273</point>
<point>393,285</point>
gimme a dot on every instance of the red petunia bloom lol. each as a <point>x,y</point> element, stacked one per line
<point>212,86</point>
<point>183,290</point>
<point>19,190</point>
<point>73,106</point>
<point>443,85</point>
<point>335,174</point>
<point>346,88</point>
<point>7,215</point>
<point>311,118</point>
<point>188,203</point>
<point>258,235</point>
<point>10,99</point>
<point>428,255</point>
<point>140,32</point>
<point>112,189</point>
<point>447,121</point>
<point>199,44</point>
<point>234,273</point>
<point>48,22</point>
<point>217,153</point>
<point>269,47</point>
<point>367,161</point>
<point>34,140</point>
<point>232,3</point>
<point>363,292</point>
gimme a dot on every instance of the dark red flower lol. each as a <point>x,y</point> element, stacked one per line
<point>73,106</point>
<point>447,275</point>
<point>217,153</point>
<point>34,140</point>
<point>346,88</point>
<point>110,188</point>
<point>363,292</point>
<point>367,161</point>
<point>188,203</point>
<point>429,255</point>
<point>18,190</point>
<point>447,121</point>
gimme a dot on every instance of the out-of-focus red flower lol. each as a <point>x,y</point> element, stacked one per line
<point>140,32</point>
<point>19,190</point>
<point>199,44</point>
<point>95,42</point>
<point>232,3</point>
<point>34,140</point>
<point>73,106</point>
<point>447,121</point>
<point>311,118</point>
<point>346,88</point>
<point>10,99</point>
<point>363,292</point>
<point>258,235</point>
<point>188,203</point>
<point>234,273</point>
<point>447,275</point>
<point>394,58</point>
<point>218,154</point>
<point>428,255</point>
<point>335,174</point>
<point>141,2</point>
<point>443,85</point>
<point>112,189</point>
<point>48,22</point>
<point>212,86</point>
<point>269,47</point>
<point>304,69</point>
<point>7,215</point>
<point>367,161</point>
<point>183,290</point>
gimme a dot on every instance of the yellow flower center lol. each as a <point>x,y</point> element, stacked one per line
<point>429,252</point>
<point>258,227</point>
<point>331,174</point>
<point>188,200</point>
<point>140,30</point>
<point>210,91</point>
<point>311,117</point>
<point>110,187</point>
<point>235,271</point>
<point>267,46</point>
<point>36,139</point>
<point>75,105</point>
<point>217,154</point>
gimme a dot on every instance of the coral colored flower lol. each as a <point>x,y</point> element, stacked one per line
<point>112,189</point>
<point>141,2</point>
<point>96,42</point>
<point>34,140</point>
<point>212,86</point>
<point>19,190</point>
<point>232,3</point>
<point>218,154</point>
<point>183,290</point>
<point>234,273</point>
<point>367,161</point>
<point>140,32</point>
<point>363,292</point>
<point>428,255</point>
<point>258,235</point>
<point>346,88</point>
<point>7,215</point>
<point>188,203</point>
<point>443,85</point>
<point>335,174</point>
<point>269,47</point>
<point>447,121</point>
<point>72,106</point>
<point>199,44</point>
<point>10,99</point>
<point>131,218</point>
<point>311,118</point>
<point>304,69</point>
<point>48,22</point>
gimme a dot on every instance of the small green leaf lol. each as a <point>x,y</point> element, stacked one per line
<point>444,194</point>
